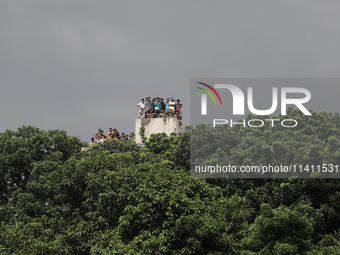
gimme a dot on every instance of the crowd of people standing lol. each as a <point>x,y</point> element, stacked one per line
<point>157,108</point>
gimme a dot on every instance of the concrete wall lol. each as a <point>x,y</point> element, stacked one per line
<point>156,125</point>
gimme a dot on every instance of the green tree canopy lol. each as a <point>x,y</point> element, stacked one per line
<point>125,198</point>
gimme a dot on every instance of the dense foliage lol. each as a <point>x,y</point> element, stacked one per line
<point>124,198</point>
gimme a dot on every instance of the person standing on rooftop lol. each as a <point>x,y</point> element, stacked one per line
<point>177,105</point>
<point>141,104</point>
<point>172,104</point>
<point>148,107</point>
<point>167,105</point>
<point>157,107</point>
<point>162,105</point>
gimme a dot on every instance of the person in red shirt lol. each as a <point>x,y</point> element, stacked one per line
<point>177,105</point>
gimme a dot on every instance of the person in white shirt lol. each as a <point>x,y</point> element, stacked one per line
<point>141,114</point>
<point>141,104</point>
<point>172,104</point>
<point>102,139</point>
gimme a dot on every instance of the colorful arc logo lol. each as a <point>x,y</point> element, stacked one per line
<point>204,97</point>
<point>208,92</point>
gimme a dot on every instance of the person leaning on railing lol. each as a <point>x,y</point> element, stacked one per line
<point>141,114</point>
<point>170,114</point>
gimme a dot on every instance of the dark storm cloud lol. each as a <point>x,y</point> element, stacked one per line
<point>78,65</point>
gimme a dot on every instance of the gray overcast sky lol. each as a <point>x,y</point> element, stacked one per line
<point>84,65</point>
